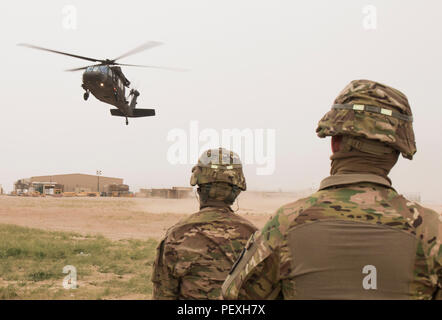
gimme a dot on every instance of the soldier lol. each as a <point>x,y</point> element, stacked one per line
<point>356,238</point>
<point>196,254</point>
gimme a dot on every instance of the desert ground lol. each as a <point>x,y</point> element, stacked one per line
<point>128,218</point>
<point>123,218</point>
<point>110,241</point>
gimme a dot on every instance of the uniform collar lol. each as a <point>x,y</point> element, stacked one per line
<point>341,179</point>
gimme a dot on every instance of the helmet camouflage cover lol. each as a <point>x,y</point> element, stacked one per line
<point>374,111</point>
<point>218,165</point>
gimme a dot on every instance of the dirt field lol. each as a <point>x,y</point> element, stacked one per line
<point>122,218</point>
<point>125,218</point>
<point>110,241</point>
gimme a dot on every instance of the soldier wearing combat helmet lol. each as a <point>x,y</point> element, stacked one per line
<point>196,254</point>
<point>356,238</point>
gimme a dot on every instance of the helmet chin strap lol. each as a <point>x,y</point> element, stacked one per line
<point>196,196</point>
<point>368,146</point>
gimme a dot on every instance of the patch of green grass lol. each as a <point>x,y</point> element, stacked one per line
<point>8,292</point>
<point>32,261</point>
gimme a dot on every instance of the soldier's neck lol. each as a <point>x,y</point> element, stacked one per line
<point>214,203</point>
<point>359,162</point>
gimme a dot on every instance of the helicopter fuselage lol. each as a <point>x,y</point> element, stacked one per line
<point>107,86</point>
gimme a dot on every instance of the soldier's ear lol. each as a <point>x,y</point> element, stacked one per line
<point>336,143</point>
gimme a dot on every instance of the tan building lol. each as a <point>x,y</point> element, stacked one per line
<point>174,193</point>
<point>78,182</point>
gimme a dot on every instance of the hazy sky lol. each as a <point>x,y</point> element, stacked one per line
<point>253,64</point>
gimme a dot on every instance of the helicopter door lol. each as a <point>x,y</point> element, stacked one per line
<point>114,79</point>
<point>121,86</point>
<point>115,83</point>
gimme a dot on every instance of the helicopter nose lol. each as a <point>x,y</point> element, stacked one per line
<point>91,76</point>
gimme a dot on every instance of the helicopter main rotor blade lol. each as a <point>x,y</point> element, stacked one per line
<point>144,46</point>
<point>78,69</point>
<point>59,52</point>
<point>154,67</point>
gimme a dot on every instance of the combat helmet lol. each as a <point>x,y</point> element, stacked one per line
<point>219,175</point>
<point>367,110</point>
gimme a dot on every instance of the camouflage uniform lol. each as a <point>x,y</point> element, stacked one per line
<point>196,254</point>
<point>319,247</point>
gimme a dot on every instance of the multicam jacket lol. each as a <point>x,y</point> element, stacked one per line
<point>196,254</point>
<point>356,238</point>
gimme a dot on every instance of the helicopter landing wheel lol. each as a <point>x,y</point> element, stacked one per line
<point>86,96</point>
<point>127,121</point>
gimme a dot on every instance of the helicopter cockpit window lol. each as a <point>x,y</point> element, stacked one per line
<point>95,69</point>
<point>109,72</point>
<point>89,68</point>
<point>103,69</point>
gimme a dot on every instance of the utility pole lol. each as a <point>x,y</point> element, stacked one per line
<point>98,180</point>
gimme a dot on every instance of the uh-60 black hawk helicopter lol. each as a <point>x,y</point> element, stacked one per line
<point>107,83</point>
